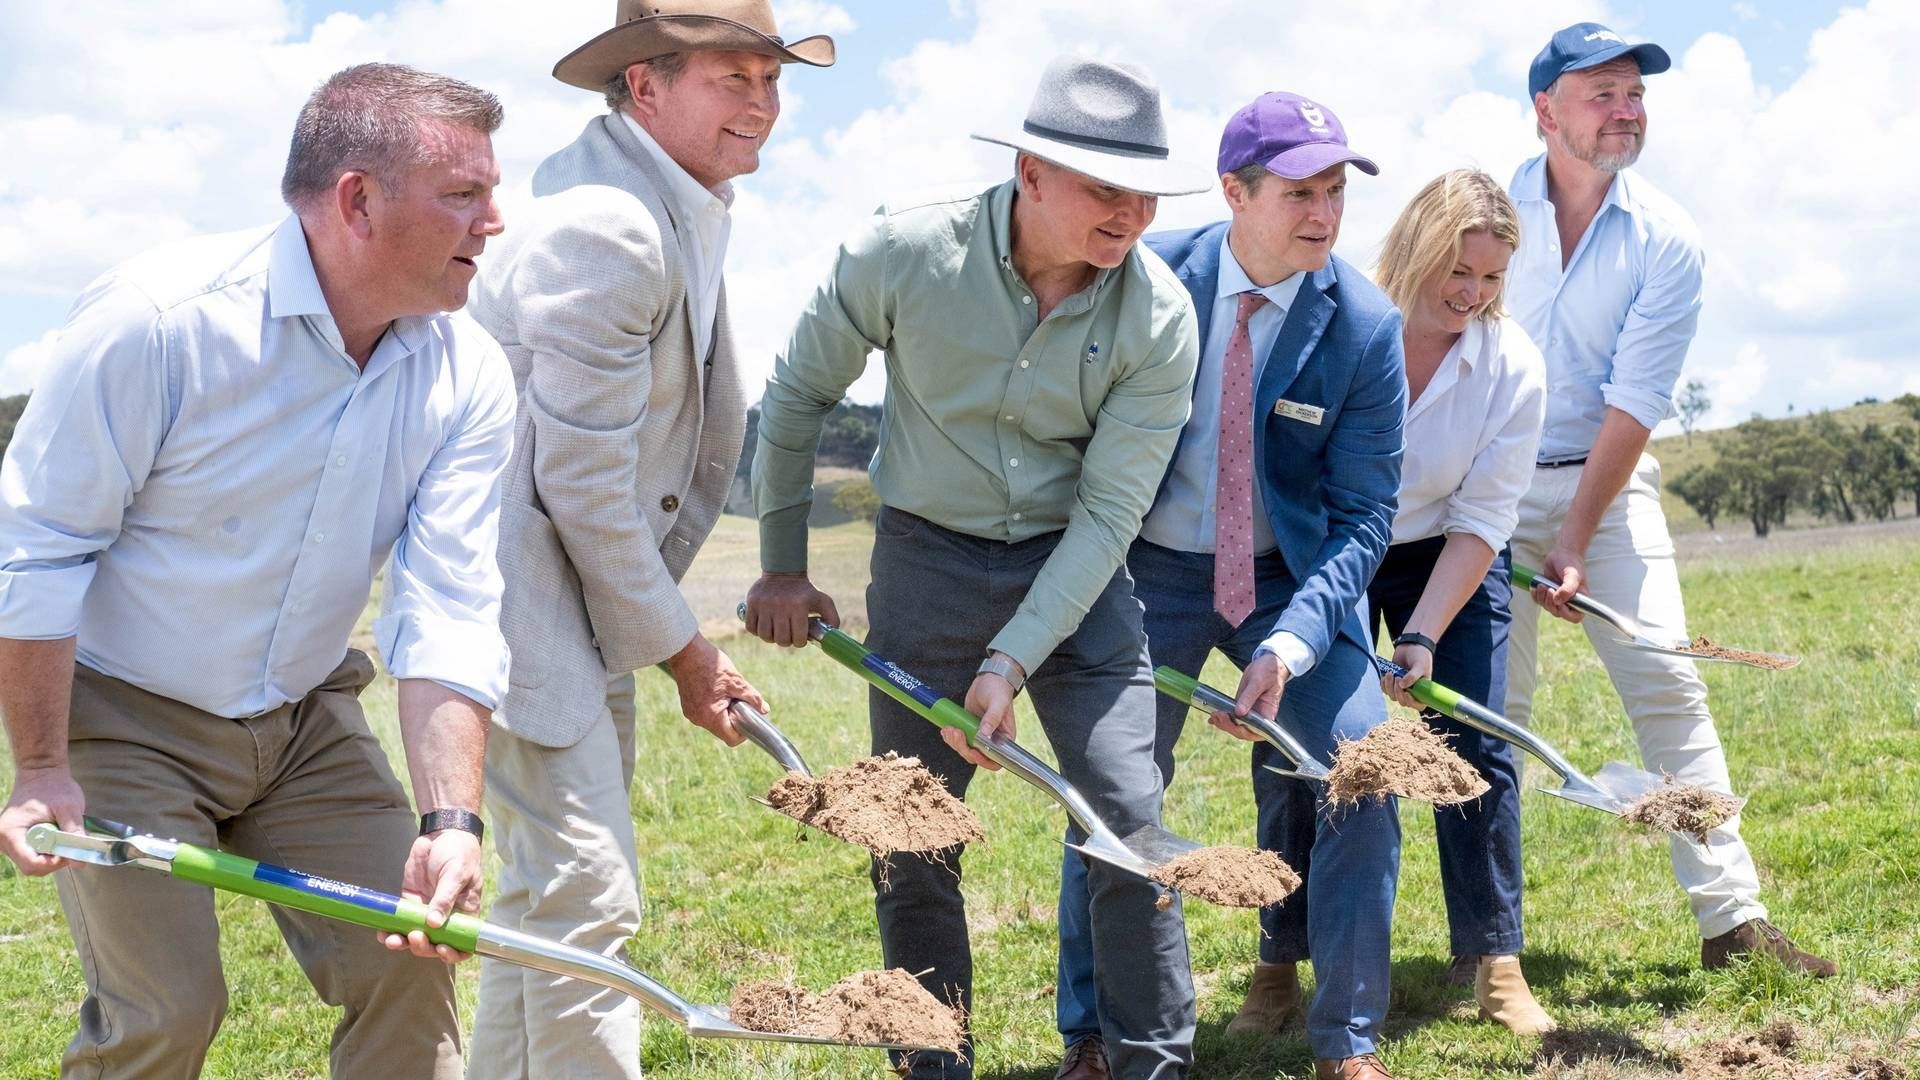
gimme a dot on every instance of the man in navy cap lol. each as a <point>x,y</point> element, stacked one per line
<point>1271,519</point>
<point>1607,281</point>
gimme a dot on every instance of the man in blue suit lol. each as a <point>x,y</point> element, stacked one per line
<point>1272,518</point>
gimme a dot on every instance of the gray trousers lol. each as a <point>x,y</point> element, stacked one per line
<point>937,597</point>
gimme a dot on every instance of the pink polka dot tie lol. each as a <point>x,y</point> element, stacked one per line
<point>1233,478</point>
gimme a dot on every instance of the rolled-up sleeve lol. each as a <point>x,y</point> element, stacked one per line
<point>848,318</point>
<point>85,444</point>
<point>1133,440</point>
<point>1659,327</point>
<point>1487,502</point>
<point>440,615</point>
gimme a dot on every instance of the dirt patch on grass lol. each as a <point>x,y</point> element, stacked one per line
<point>868,1007</point>
<point>1706,646</point>
<point>1683,808</point>
<point>1230,876</point>
<point>884,804</point>
<point>1401,757</point>
<point>1774,1053</point>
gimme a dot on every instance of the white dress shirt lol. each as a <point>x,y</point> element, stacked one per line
<point>1182,517</point>
<point>1615,324</point>
<point>204,484</point>
<point>701,216</point>
<point>1471,437</point>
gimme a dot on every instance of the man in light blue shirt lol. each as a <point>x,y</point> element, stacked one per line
<point>233,434</point>
<point>1607,281</point>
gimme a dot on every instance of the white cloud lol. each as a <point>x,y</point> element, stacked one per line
<point>177,123</point>
<point>20,368</point>
<point>1745,12</point>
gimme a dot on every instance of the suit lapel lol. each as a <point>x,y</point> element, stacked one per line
<point>650,187</point>
<point>1200,273</point>
<point>1306,320</point>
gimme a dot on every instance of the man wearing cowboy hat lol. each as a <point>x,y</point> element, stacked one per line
<point>1038,362</point>
<point>1273,516</point>
<point>612,311</point>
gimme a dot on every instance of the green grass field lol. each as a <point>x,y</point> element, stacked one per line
<point>1829,753</point>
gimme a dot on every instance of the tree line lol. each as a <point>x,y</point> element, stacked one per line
<point>1763,470</point>
<point>10,410</point>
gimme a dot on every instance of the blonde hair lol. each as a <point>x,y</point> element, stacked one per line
<point>1426,238</point>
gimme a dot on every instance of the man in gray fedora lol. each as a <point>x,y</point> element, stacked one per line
<point>612,311</point>
<point>1038,363</point>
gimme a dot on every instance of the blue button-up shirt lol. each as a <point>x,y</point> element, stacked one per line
<point>204,484</point>
<point>1614,325</point>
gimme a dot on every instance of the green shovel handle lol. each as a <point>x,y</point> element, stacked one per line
<point>321,896</point>
<point>894,681</point>
<point>1527,577</point>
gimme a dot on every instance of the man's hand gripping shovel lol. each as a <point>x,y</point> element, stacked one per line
<point>111,844</point>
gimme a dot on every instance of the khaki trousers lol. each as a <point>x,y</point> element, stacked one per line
<point>1630,568</point>
<point>562,821</point>
<point>305,785</point>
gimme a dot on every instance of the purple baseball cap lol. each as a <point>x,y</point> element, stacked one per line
<point>1290,135</point>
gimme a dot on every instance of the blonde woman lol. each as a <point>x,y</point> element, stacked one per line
<point>1476,388</point>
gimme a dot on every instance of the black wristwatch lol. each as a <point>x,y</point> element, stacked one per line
<point>1414,637</point>
<point>465,820</point>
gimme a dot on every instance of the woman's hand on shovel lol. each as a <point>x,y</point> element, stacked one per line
<point>990,697</point>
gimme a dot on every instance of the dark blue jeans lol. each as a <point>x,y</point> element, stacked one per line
<point>1347,910</point>
<point>1479,841</point>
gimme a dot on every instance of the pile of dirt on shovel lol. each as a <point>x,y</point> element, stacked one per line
<point>1229,876</point>
<point>1706,646</point>
<point>884,804</point>
<point>1401,757</point>
<point>1683,808</point>
<point>868,1007</point>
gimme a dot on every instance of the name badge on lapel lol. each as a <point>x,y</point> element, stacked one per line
<point>1293,410</point>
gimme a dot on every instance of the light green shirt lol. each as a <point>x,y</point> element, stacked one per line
<point>995,424</point>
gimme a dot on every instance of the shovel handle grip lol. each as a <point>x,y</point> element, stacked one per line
<point>894,680</point>
<point>321,896</point>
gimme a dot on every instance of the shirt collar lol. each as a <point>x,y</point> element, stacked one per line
<point>1473,342</point>
<point>1531,186</point>
<point>999,208</point>
<point>690,194</point>
<point>293,290</point>
<point>1234,279</point>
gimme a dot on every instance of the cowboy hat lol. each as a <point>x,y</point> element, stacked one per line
<point>644,29</point>
<point>1102,120</point>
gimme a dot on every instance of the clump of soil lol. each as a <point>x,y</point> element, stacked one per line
<point>1683,808</point>
<point>1230,876</point>
<point>867,1007</point>
<point>884,804</point>
<point>1401,757</point>
<point>1706,646</point>
<point>1772,1053</point>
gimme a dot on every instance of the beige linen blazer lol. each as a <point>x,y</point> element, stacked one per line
<point>625,443</point>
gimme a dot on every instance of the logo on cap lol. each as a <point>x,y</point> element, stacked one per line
<point>1313,116</point>
<point>1604,35</point>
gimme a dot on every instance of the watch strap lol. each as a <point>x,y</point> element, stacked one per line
<point>1414,637</point>
<point>464,820</point>
<point>1005,668</point>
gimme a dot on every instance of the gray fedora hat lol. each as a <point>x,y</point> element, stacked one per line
<point>1102,120</point>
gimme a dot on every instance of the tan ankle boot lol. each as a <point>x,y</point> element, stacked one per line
<point>1272,1000</point>
<point>1505,997</point>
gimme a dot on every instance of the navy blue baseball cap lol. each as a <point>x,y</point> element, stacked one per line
<point>1585,45</point>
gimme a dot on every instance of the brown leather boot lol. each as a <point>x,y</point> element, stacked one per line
<point>1461,971</point>
<point>1085,1060</point>
<point>1761,936</point>
<point>1505,997</point>
<point>1364,1067</point>
<point>1272,1000</point>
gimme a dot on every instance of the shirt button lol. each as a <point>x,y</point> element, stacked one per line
<point>1023,363</point>
<point>1016,515</point>
<point>669,503</point>
<point>1009,416</point>
<point>319,538</point>
<point>1013,462</point>
<point>341,461</point>
<point>1026,299</point>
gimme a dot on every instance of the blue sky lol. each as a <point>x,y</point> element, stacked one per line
<point>175,125</point>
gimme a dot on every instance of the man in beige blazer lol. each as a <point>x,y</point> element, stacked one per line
<point>611,309</point>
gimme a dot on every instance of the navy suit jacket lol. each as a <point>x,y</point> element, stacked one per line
<point>1330,488</point>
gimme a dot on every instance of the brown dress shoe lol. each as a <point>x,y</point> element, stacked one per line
<point>1272,1000</point>
<point>1364,1067</point>
<point>1462,970</point>
<point>1761,936</point>
<point>1505,997</point>
<point>1085,1060</point>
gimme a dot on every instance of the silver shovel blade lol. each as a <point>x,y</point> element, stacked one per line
<point>1142,852</point>
<point>711,1022</point>
<point>1781,661</point>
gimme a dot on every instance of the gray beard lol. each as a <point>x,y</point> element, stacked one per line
<point>1610,163</point>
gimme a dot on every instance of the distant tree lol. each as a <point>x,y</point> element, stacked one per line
<point>1766,462</point>
<point>1705,488</point>
<point>1911,403</point>
<point>857,499</point>
<point>1693,403</point>
<point>10,410</point>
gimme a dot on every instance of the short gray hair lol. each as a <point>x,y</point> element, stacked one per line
<point>370,118</point>
<point>1251,176</point>
<point>666,67</point>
